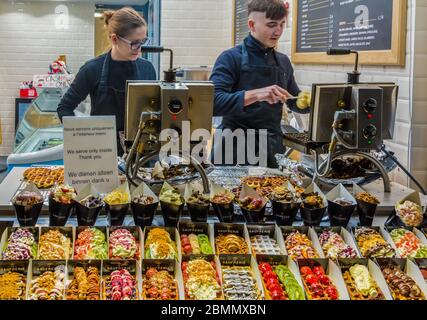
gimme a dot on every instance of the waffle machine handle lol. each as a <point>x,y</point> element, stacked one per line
<point>353,77</point>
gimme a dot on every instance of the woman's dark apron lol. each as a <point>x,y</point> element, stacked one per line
<point>111,98</point>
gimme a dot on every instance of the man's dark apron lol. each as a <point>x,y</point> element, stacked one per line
<point>110,98</point>
<point>260,115</point>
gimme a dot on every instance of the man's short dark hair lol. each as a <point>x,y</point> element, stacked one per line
<point>273,9</point>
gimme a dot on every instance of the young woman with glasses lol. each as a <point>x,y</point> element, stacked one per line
<point>104,78</point>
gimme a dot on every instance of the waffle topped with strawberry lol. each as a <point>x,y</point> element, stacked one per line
<point>317,284</point>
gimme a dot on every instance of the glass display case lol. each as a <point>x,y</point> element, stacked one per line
<point>40,127</point>
<point>39,136</point>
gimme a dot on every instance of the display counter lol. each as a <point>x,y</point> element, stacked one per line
<point>125,263</point>
<point>14,179</point>
<point>250,252</point>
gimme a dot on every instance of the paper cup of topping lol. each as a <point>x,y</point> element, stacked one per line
<point>88,205</point>
<point>408,212</point>
<point>117,205</point>
<point>341,205</point>
<point>366,205</point>
<point>28,204</point>
<point>198,203</point>
<point>284,213</point>
<point>313,205</point>
<point>285,204</point>
<point>172,205</point>
<point>60,204</point>
<point>252,205</point>
<point>222,203</point>
<point>143,205</point>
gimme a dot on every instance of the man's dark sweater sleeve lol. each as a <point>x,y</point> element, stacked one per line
<point>225,76</point>
<point>293,89</point>
<point>77,92</point>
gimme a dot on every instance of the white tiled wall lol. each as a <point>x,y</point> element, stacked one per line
<point>418,156</point>
<point>197,30</point>
<point>30,39</point>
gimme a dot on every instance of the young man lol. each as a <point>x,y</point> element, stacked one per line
<point>252,81</point>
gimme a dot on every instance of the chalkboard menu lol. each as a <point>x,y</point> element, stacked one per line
<point>240,29</point>
<point>376,28</point>
<point>361,25</point>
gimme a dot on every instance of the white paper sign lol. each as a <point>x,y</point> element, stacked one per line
<point>90,152</point>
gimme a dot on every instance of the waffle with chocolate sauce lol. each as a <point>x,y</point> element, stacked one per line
<point>402,286</point>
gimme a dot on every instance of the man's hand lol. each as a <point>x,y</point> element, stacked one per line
<point>272,95</point>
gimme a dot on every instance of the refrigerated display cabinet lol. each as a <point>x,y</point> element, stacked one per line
<point>39,136</point>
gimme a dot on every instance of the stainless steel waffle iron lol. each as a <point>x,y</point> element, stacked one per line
<point>152,106</point>
<point>350,118</point>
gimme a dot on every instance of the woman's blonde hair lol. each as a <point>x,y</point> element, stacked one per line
<point>123,21</point>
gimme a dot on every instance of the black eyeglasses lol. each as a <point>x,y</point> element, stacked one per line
<point>135,45</point>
